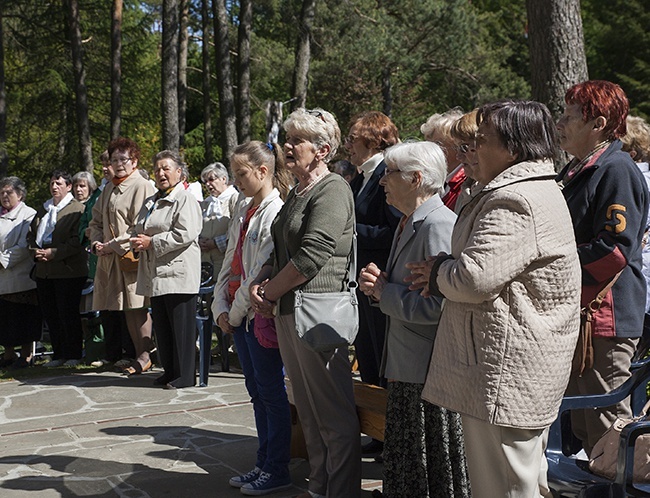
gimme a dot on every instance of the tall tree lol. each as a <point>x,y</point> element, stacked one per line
<point>4,158</point>
<point>303,54</point>
<point>169,80</point>
<point>116,68</point>
<point>205,63</point>
<point>81,92</point>
<point>557,51</point>
<point>244,70</point>
<point>224,79</point>
<point>183,44</point>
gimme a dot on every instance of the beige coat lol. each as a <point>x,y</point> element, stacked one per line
<point>15,260</point>
<point>173,263</point>
<point>510,322</point>
<point>216,222</point>
<point>114,218</point>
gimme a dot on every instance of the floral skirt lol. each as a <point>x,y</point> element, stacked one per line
<point>424,451</point>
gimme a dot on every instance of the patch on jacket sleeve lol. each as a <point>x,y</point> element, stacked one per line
<point>616,221</point>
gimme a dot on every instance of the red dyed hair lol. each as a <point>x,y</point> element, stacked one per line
<point>125,144</point>
<point>601,98</point>
<point>375,129</point>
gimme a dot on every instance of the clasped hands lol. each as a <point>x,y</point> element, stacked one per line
<point>372,280</point>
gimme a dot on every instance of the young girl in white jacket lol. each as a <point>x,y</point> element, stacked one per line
<point>259,173</point>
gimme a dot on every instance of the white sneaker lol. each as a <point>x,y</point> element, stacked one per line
<point>72,363</point>
<point>99,363</point>
<point>54,363</point>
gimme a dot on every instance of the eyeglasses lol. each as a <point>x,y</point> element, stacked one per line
<point>120,160</point>
<point>350,138</point>
<point>463,148</point>
<point>388,171</point>
<point>316,114</point>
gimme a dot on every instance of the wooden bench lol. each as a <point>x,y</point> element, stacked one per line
<point>371,410</point>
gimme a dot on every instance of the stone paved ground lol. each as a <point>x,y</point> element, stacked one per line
<point>105,435</point>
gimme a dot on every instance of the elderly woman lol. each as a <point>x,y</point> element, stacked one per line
<point>502,356</point>
<point>170,271</point>
<point>608,200</point>
<point>83,186</point>
<point>312,238</point>
<point>437,129</point>
<point>61,268</point>
<point>19,309</point>
<point>218,208</point>
<point>113,221</point>
<point>423,448</point>
<point>370,134</point>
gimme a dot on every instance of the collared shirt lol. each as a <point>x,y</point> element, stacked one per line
<point>369,167</point>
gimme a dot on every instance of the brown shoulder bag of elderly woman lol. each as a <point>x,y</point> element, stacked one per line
<point>583,359</point>
<point>128,261</point>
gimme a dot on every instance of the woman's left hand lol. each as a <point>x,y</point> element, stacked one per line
<point>372,281</point>
<point>44,255</point>
<point>420,273</point>
<point>140,242</point>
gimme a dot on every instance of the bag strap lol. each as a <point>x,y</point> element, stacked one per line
<point>594,305</point>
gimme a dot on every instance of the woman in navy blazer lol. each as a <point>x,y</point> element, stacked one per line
<point>423,446</point>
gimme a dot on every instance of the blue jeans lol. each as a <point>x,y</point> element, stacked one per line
<point>264,378</point>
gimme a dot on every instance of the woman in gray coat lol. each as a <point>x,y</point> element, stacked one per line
<point>423,447</point>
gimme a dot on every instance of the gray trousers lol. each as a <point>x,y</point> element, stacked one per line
<point>324,399</point>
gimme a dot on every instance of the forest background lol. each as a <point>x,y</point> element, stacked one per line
<point>408,58</point>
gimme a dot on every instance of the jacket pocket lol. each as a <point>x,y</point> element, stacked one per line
<point>468,334</point>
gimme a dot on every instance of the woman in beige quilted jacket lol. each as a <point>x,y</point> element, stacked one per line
<point>502,356</point>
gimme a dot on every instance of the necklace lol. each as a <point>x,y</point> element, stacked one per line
<point>311,184</point>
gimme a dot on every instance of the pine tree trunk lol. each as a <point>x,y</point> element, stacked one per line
<point>116,69</point>
<point>170,75</point>
<point>224,79</point>
<point>4,157</point>
<point>81,92</point>
<point>557,52</point>
<point>207,105</point>
<point>182,68</point>
<point>244,72</point>
<point>303,54</point>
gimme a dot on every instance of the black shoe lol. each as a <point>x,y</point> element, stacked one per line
<point>19,363</point>
<point>162,380</point>
<point>374,446</point>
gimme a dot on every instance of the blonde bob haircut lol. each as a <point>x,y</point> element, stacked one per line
<point>425,157</point>
<point>316,125</point>
<point>636,141</point>
<point>465,128</point>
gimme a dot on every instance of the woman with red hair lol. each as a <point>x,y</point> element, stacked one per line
<point>608,200</point>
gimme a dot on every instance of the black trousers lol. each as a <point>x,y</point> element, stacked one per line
<point>116,335</point>
<point>369,343</point>
<point>174,323</point>
<point>59,299</point>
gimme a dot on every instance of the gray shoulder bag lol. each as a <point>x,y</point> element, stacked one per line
<point>329,320</point>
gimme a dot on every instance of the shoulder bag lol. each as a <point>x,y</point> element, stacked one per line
<point>128,261</point>
<point>604,456</point>
<point>583,359</point>
<point>329,320</point>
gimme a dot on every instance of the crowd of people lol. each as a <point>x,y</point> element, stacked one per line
<point>474,258</point>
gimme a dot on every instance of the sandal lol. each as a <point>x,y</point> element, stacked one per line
<point>136,368</point>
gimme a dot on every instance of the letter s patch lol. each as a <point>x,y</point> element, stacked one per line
<point>616,221</point>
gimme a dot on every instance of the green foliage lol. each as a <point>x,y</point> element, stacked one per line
<point>618,47</point>
<point>439,54</point>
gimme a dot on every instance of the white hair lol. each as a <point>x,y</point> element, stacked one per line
<point>425,157</point>
<point>441,123</point>
<point>216,169</point>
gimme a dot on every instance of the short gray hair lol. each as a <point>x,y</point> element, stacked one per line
<point>16,184</point>
<point>425,157</point>
<point>441,123</point>
<point>216,169</point>
<point>86,177</point>
<point>174,156</point>
<point>316,125</point>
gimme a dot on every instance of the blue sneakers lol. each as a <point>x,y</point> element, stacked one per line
<point>265,484</point>
<point>239,481</point>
